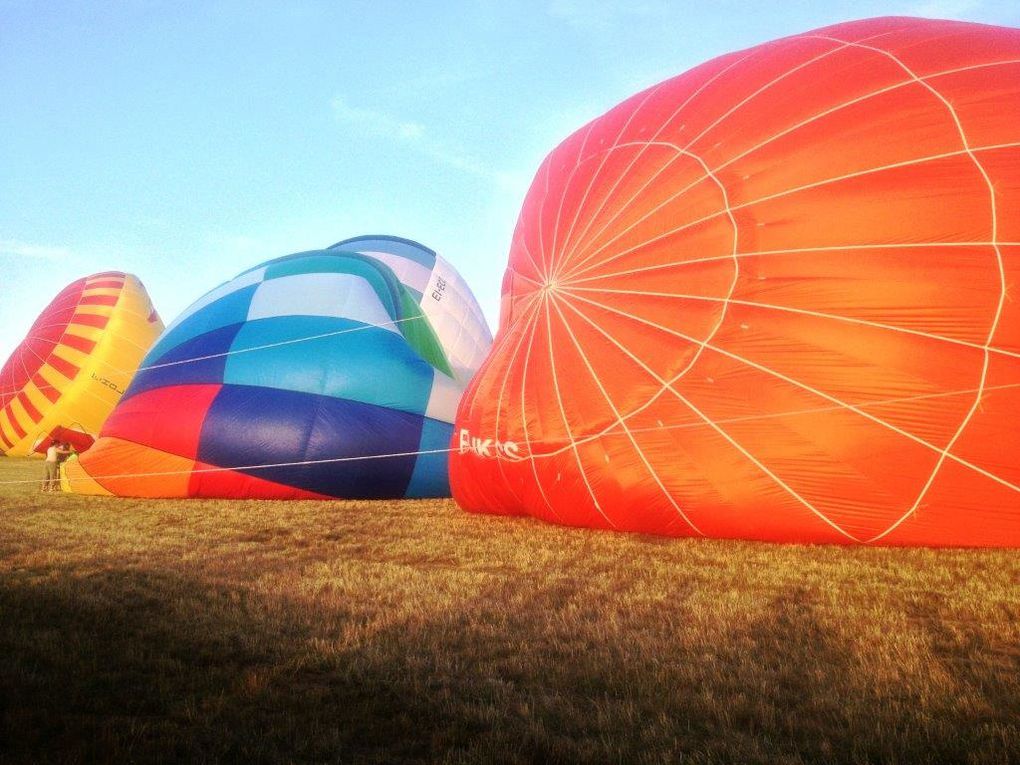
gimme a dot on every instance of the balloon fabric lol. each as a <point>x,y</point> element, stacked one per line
<point>330,373</point>
<point>772,298</point>
<point>67,375</point>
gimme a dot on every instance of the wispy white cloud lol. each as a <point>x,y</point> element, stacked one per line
<point>413,135</point>
<point>588,16</point>
<point>16,249</point>
<point>376,122</point>
<point>944,9</point>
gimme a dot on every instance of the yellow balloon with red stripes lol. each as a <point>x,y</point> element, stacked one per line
<point>66,376</point>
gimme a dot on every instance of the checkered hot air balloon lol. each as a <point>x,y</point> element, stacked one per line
<point>331,373</point>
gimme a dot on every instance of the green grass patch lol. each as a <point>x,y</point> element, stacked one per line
<point>223,631</point>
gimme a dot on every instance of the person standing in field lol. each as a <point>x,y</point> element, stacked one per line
<point>55,454</point>
<point>52,470</point>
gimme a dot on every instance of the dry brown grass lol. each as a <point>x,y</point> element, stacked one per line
<point>250,631</point>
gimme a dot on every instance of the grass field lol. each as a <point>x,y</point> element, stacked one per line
<point>214,631</point>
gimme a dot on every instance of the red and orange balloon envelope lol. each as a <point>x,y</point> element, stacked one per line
<point>776,297</point>
<point>67,375</point>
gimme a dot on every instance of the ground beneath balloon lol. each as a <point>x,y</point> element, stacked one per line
<point>410,631</point>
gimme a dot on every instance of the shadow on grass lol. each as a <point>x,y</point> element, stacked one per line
<point>135,666</point>
<point>144,666</point>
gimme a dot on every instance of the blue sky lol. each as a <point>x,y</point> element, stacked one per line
<point>185,142</point>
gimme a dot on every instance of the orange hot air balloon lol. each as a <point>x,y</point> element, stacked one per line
<point>776,297</point>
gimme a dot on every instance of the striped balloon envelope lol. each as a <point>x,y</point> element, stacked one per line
<point>776,298</point>
<point>331,373</point>
<point>67,375</point>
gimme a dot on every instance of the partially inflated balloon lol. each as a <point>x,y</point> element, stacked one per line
<point>322,374</point>
<point>80,354</point>
<point>772,298</point>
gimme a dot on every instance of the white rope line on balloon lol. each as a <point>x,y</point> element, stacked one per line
<point>532,313</point>
<point>206,357</point>
<point>620,210</point>
<point>265,466</point>
<point>577,164</point>
<point>563,263</point>
<point>88,359</point>
<point>605,157</point>
<point>578,270</point>
<point>1002,294</point>
<point>687,146</point>
<point>775,81</point>
<point>803,386</point>
<point>608,430</point>
<point>668,385</point>
<point>563,413</point>
<point>201,358</point>
<point>795,127</point>
<point>619,419</point>
<point>799,311</point>
<point>736,269</point>
<point>545,455</point>
<point>569,254</point>
<point>835,249</point>
<point>533,330</point>
<point>541,270</point>
<point>265,346</point>
<point>787,192</point>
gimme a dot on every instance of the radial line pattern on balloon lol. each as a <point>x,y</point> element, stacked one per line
<point>569,255</point>
<point>533,326</point>
<point>668,385</point>
<point>760,417</point>
<point>619,420</point>
<point>591,183</point>
<point>835,249</point>
<point>736,263</point>
<point>532,313</point>
<point>543,271</point>
<point>559,211</point>
<point>691,142</point>
<point>1002,281</point>
<point>803,312</point>
<point>806,387</point>
<point>566,423</point>
<point>580,271</point>
<point>794,190</point>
